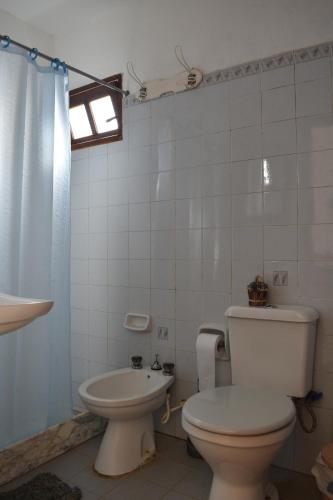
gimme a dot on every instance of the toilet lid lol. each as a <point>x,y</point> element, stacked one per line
<point>238,410</point>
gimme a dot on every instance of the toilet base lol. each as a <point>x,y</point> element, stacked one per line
<point>126,445</point>
<point>221,490</point>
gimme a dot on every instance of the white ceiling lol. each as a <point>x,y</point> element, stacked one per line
<point>57,16</point>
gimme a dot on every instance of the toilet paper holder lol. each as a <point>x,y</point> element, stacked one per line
<point>223,348</point>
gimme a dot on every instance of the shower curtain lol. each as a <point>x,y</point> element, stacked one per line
<point>34,243</point>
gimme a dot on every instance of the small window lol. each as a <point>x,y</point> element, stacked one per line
<point>95,114</point>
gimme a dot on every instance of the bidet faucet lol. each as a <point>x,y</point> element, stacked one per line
<point>156,365</point>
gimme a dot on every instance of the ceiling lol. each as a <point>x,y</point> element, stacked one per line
<point>57,16</point>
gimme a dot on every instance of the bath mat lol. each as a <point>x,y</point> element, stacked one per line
<point>43,487</point>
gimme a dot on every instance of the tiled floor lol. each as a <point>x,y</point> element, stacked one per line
<point>173,475</point>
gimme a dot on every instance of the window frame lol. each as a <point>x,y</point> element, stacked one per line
<point>84,95</point>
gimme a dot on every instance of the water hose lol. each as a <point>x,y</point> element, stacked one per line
<point>166,416</point>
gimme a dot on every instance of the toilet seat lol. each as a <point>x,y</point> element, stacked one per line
<point>239,411</point>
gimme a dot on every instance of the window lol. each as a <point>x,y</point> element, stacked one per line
<point>95,114</point>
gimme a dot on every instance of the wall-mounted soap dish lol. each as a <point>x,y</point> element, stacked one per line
<point>137,322</point>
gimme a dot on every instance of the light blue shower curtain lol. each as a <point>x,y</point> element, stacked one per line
<point>34,243</point>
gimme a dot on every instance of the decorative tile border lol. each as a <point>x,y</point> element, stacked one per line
<point>255,67</point>
<point>26,455</point>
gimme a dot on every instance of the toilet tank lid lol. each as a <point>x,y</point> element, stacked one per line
<point>293,314</point>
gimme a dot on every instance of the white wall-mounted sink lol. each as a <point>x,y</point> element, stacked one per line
<point>16,312</point>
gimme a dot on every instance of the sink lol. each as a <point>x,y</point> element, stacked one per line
<point>16,312</point>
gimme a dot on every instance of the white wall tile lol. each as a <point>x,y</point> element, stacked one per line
<point>162,244</point>
<point>313,98</point>
<point>216,116</point>
<point>280,243</point>
<point>188,153</point>
<point>315,169</point>
<point>118,165</point>
<point>79,196</point>
<point>118,298</point>
<point>98,272</point>
<point>278,104</point>
<point>79,171</point>
<point>279,138</point>
<point>188,183</point>
<point>118,191</point>
<point>118,272</point>
<point>247,243</point>
<point>278,77</point>
<point>216,244</point>
<point>216,211</point>
<point>188,213</point>
<point>314,133</point>
<point>316,242</point>
<point>98,194</point>
<point>244,86</point>
<point>166,156</point>
<point>118,245</point>
<point>139,273</point>
<point>312,70</point>
<point>139,189</point>
<point>79,221</point>
<point>188,305</point>
<point>188,274</point>
<point>163,303</point>
<point>139,245</point>
<point>247,209</point>
<point>215,180</point>
<point>139,217</point>
<point>316,279</point>
<point>215,148</point>
<point>246,143</point>
<point>315,205</point>
<point>98,298</point>
<point>247,176</point>
<point>142,160</point>
<point>244,272</point>
<point>98,168</point>
<point>98,220</point>
<point>163,274</point>
<point>280,208</point>
<point>98,324</point>
<point>280,172</point>
<point>118,218</point>
<point>292,289</point>
<point>79,321</point>
<point>162,186</point>
<point>139,300</point>
<point>80,271</point>
<point>216,276</point>
<point>80,246</point>
<point>188,243</point>
<point>162,215</point>
<point>245,111</point>
<point>98,246</point>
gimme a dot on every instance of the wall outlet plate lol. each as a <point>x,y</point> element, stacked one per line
<point>162,332</point>
<point>280,278</point>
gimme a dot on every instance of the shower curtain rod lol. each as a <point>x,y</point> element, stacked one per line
<point>36,53</point>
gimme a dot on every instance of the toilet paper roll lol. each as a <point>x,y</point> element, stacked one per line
<point>206,347</point>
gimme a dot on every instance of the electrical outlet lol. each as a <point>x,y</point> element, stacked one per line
<point>280,278</point>
<point>162,332</point>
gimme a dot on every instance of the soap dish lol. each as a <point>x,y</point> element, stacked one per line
<point>137,322</point>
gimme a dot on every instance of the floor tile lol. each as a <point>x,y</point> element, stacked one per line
<point>90,448</point>
<point>195,485</point>
<point>163,472</point>
<point>136,489</point>
<point>67,465</point>
<point>92,482</point>
<point>175,496</point>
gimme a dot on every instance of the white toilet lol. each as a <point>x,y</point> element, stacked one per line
<point>239,428</point>
<point>127,397</point>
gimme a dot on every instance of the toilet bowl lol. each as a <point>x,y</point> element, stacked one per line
<point>238,431</point>
<point>127,398</point>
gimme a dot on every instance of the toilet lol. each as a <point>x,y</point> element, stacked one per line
<point>239,428</point>
<point>127,398</point>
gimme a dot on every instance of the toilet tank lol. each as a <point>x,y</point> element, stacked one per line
<point>273,347</point>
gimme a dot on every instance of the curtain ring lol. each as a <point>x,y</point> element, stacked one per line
<point>64,67</point>
<point>5,41</point>
<point>55,63</point>
<point>33,53</point>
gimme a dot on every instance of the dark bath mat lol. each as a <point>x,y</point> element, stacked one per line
<point>43,487</point>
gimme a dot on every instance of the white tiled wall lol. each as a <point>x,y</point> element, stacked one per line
<point>208,189</point>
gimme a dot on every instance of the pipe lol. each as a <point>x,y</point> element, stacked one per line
<point>166,416</point>
<point>5,38</point>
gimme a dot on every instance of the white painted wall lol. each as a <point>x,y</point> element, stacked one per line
<point>25,33</point>
<point>214,34</point>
